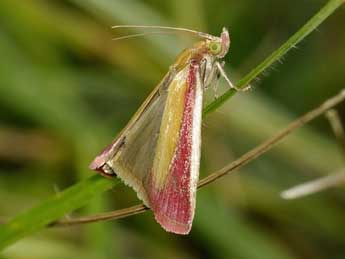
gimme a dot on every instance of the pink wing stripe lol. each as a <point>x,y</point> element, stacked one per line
<point>172,205</point>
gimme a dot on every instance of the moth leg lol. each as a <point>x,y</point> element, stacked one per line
<point>223,74</point>
<point>202,70</point>
<point>212,78</point>
<point>217,76</point>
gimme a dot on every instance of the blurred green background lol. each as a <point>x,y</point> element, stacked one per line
<point>66,89</point>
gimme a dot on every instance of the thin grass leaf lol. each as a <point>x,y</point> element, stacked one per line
<point>54,208</point>
<point>311,25</point>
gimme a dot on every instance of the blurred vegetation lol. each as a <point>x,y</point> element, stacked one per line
<point>66,89</point>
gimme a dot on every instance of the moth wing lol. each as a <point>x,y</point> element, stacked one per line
<point>130,156</point>
<point>172,183</point>
<point>158,153</point>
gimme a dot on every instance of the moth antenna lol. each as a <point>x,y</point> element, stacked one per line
<point>197,33</point>
<point>140,35</point>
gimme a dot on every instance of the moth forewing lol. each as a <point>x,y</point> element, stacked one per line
<point>172,190</point>
<point>131,154</point>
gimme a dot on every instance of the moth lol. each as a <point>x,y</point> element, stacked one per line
<point>158,152</point>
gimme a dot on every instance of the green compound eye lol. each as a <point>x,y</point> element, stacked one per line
<point>215,48</point>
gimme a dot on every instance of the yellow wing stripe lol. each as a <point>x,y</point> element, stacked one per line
<point>170,128</point>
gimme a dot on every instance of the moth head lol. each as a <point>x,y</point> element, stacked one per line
<point>219,46</point>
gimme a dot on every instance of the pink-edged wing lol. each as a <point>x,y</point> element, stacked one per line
<point>158,153</point>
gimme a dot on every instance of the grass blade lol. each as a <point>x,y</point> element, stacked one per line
<point>306,29</point>
<point>54,208</point>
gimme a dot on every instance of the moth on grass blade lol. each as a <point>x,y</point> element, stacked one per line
<point>158,152</point>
